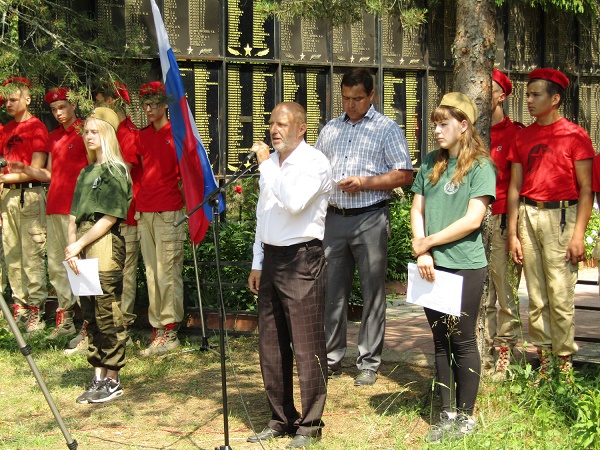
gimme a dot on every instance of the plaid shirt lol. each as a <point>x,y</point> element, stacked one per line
<point>373,146</point>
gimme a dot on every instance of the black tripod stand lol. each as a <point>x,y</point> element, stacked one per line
<point>26,351</point>
<point>212,200</point>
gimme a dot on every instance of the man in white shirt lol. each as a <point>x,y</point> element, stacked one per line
<point>288,274</point>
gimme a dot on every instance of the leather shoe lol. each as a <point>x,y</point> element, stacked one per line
<point>333,373</point>
<point>301,441</point>
<point>265,435</point>
<point>366,377</point>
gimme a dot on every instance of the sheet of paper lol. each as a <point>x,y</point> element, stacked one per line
<point>88,280</point>
<point>443,295</point>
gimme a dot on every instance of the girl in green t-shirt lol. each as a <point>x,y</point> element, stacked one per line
<point>452,192</point>
<point>101,200</point>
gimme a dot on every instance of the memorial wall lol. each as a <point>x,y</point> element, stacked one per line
<point>237,64</point>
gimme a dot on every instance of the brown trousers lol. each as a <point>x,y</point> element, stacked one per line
<point>290,314</point>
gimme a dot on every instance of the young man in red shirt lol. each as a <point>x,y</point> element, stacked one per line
<point>502,318</point>
<point>159,203</point>
<point>66,157</point>
<point>24,140</point>
<point>549,206</point>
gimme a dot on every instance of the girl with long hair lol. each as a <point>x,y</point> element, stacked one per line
<point>452,190</point>
<point>100,203</point>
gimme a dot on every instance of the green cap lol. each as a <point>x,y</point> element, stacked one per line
<point>107,115</point>
<point>462,102</point>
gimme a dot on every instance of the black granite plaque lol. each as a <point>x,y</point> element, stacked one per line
<point>305,40</point>
<point>525,34</point>
<point>250,100</point>
<point>441,33</point>
<point>402,93</point>
<point>517,100</point>
<point>307,86</point>
<point>560,51</point>
<point>438,84</point>
<point>194,27</point>
<point>589,108</point>
<point>201,84</point>
<point>356,44</point>
<point>131,21</point>
<point>589,41</point>
<point>402,47</point>
<point>250,34</point>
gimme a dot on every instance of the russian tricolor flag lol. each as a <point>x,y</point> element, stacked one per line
<point>196,173</point>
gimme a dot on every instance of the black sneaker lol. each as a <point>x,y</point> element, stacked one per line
<point>90,390</point>
<point>109,389</point>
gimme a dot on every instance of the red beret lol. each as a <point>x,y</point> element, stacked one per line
<point>121,91</point>
<point>56,94</point>
<point>502,81</point>
<point>17,80</point>
<point>551,75</point>
<point>153,88</point>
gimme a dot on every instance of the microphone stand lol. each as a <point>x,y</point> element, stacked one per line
<point>26,352</point>
<point>213,200</point>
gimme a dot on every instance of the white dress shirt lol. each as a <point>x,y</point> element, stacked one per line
<point>293,200</point>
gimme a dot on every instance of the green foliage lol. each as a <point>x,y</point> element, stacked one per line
<point>53,45</point>
<point>576,6</point>
<point>411,13</point>
<point>560,398</point>
<point>236,238</point>
<point>591,233</point>
<point>400,244</point>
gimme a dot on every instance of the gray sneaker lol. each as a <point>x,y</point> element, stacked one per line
<point>464,425</point>
<point>109,389</point>
<point>443,429</point>
<point>89,392</point>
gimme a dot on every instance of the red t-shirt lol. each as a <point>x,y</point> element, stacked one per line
<point>502,135</point>
<point>21,139</point>
<point>127,135</point>
<point>69,156</point>
<point>548,155</point>
<point>159,186</point>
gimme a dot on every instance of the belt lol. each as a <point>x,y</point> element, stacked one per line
<point>549,205</point>
<point>357,211</point>
<point>23,185</point>
<point>291,249</point>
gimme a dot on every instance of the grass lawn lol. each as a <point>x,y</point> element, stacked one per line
<point>174,402</point>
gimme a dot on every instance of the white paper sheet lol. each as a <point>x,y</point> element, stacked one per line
<point>443,295</point>
<point>88,280</point>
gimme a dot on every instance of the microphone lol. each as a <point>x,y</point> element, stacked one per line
<point>3,162</point>
<point>249,157</point>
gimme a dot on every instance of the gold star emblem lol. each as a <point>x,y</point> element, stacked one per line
<point>247,50</point>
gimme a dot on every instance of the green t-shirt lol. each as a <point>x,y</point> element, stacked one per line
<point>101,191</point>
<point>445,203</point>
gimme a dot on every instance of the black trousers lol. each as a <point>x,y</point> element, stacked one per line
<point>290,315</point>
<point>456,354</point>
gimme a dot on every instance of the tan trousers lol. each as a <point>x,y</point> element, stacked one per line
<point>3,271</point>
<point>162,250</point>
<point>132,249</point>
<point>550,278</point>
<point>57,225</point>
<point>502,321</point>
<point>24,240</point>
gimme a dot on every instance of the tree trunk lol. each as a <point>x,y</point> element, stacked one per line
<point>474,50</point>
